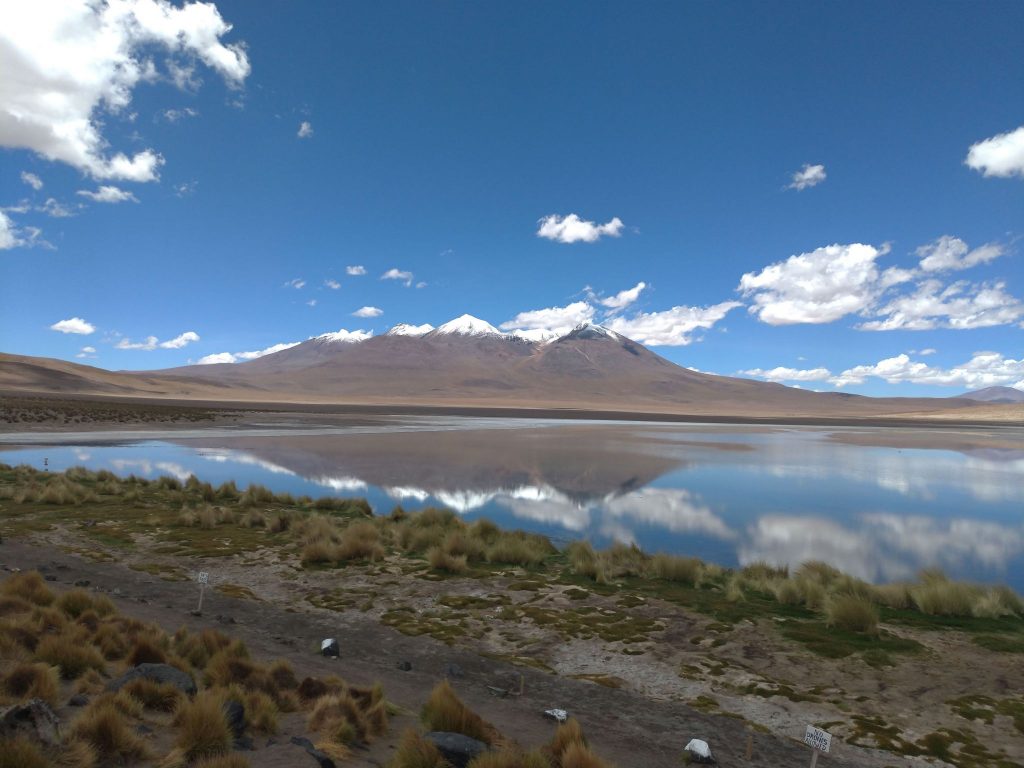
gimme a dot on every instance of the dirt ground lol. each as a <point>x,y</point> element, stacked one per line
<point>638,702</point>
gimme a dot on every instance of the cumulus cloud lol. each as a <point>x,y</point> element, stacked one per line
<point>623,299</point>
<point>951,253</point>
<point>790,374</point>
<point>234,357</point>
<point>108,194</point>
<point>32,180</point>
<point>559,320</point>
<point>74,325</point>
<point>984,369</point>
<point>368,312</point>
<point>355,270</point>
<point>816,287</point>
<point>808,176</point>
<point>332,284</point>
<point>66,64</point>
<point>9,236</point>
<point>148,345</point>
<point>174,115</point>
<point>87,352</point>
<point>295,283</point>
<point>305,130</point>
<point>1001,155</point>
<point>962,305</point>
<point>180,341</point>
<point>396,274</point>
<point>672,327</point>
<point>56,209</point>
<point>573,229</point>
<point>311,303</point>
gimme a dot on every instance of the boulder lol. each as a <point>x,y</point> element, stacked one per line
<point>158,673</point>
<point>234,713</point>
<point>330,648</point>
<point>699,751</point>
<point>405,666</point>
<point>33,719</point>
<point>457,749</point>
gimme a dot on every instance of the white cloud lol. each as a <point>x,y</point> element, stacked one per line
<point>924,352</point>
<point>67,64</point>
<point>108,194</point>
<point>421,284</point>
<point>295,283</point>
<point>790,374</point>
<point>311,303</point>
<point>148,345</point>
<point>32,180</point>
<point>332,284</point>
<point>174,115</point>
<point>185,188</point>
<point>218,357</point>
<point>368,312</point>
<point>952,253</point>
<point>56,209</point>
<point>816,287</point>
<point>73,325</point>
<point>623,299</point>
<point>559,320</point>
<point>396,274</point>
<point>1002,155</point>
<point>9,236</point>
<point>180,341</point>
<point>355,270</point>
<point>305,130</point>
<point>984,369</point>
<point>808,176</point>
<point>573,229</point>
<point>960,306</point>
<point>672,327</point>
<point>87,352</point>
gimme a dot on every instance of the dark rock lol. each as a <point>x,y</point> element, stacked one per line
<point>78,700</point>
<point>457,749</point>
<point>244,744</point>
<point>63,567</point>
<point>405,666</point>
<point>225,619</point>
<point>453,670</point>
<point>270,742</point>
<point>302,741</point>
<point>82,583</point>
<point>143,730</point>
<point>234,713</point>
<point>322,760</point>
<point>158,673</point>
<point>50,577</point>
<point>33,719</point>
<point>330,648</point>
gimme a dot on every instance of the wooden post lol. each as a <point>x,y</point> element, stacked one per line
<point>202,590</point>
<point>522,684</point>
<point>750,746</point>
<point>814,758</point>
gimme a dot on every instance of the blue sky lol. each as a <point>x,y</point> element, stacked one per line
<point>155,188</point>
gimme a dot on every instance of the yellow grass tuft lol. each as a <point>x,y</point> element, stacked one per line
<point>853,614</point>
<point>21,753</point>
<point>28,586</point>
<point>108,730</point>
<point>444,711</point>
<point>203,730</point>
<point>416,752</point>
<point>73,658</point>
<point>33,681</point>
<point>442,561</point>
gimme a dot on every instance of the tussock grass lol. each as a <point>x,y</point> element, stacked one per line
<point>510,758</point>
<point>162,697</point>
<point>146,650</point>
<point>67,653</point>
<point>687,570</point>
<point>442,561</point>
<point>22,753</point>
<point>416,752</point>
<point>108,730</point>
<point>28,586</point>
<point>203,730</point>
<point>360,541</point>
<point>77,601</point>
<point>579,756</point>
<point>444,711</point>
<point>33,681</point>
<point>852,614</point>
<point>223,761</point>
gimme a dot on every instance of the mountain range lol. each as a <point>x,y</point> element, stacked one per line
<point>467,362</point>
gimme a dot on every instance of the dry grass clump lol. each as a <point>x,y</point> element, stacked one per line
<point>582,559</point>
<point>416,752</point>
<point>203,729</point>
<point>469,544</point>
<point>107,729</point>
<point>510,758</point>
<point>33,681</point>
<point>222,761</point>
<point>444,711</point>
<point>77,601</point>
<point>22,753</point>
<point>520,548</point>
<point>579,756</point>
<point>162,697</point>
<point>360,541</point>
<point>28,586</point>
<point>852,614</point>
<point>687,570</point>
<point>72,656</point>
<point>442,561</point>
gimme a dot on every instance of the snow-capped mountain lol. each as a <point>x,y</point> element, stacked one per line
<point>467,325</point>
<point>404,329</point>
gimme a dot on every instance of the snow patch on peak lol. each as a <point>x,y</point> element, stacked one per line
<point>467,325</point>
<point>404,329</point>
<point>344,336</point>
<point>592,331</point>
<point>535,335</point>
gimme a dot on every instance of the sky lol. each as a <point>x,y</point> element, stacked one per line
<point>821,194</point>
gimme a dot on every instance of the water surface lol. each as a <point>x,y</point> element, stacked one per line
<point>880,503</point>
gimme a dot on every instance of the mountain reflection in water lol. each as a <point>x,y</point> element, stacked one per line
<point>877,503</point>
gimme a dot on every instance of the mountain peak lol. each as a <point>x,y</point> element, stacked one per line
<point>591,331</point>
<point>345,336</point>
<point>404,329</point>
<point>467,325</point>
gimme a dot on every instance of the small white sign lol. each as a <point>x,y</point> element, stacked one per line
<point>203,577</point>
<point>818,739</point>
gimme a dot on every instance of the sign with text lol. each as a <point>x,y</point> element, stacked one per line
<point>818,739</point>
<point>203,577</point>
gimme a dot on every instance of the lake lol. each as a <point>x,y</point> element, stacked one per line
<point>879,503</point>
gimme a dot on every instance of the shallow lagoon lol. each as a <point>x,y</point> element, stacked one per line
<point>880,503</point>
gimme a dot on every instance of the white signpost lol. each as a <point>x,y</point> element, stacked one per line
<point>818,740</point>
<point>203,578</point>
